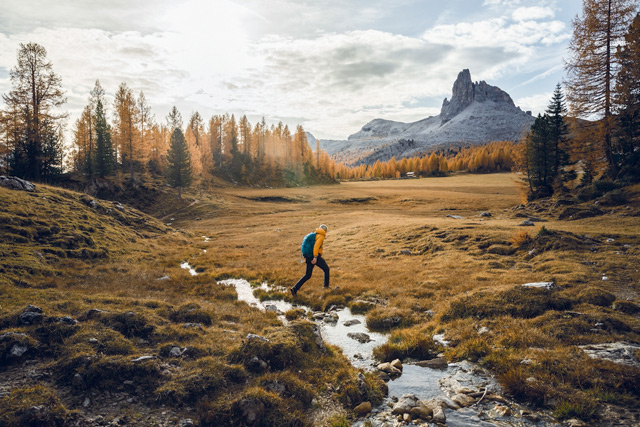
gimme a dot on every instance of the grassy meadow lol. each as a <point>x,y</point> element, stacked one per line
<point>415,255</point>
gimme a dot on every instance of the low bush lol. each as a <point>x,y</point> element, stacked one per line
<point>34,406</point>
<point>596,296</point>
<point>386,318</point>
<point>202,378</point>
<point>191,313</point>
<point>416,344</point>
<point>517,302</point>
<point>287,386</point>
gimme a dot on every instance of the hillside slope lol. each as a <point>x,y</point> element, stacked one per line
<point>100,325</point>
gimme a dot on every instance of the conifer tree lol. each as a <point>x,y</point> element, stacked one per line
<point>104,156</point>
<point>178,162</point>
<point>558,130</point>
<point>592,67</point>
<point>539,158</point>
<point>627,104</point>
<point>36,92</point>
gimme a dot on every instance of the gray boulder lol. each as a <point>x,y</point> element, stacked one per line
<point>15,183</point>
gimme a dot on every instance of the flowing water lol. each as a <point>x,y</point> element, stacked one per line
<point>425,383</point>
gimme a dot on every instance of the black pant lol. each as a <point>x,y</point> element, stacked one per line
<point>320,262</point>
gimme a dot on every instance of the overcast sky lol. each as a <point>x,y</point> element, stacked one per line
<point>329,65</point>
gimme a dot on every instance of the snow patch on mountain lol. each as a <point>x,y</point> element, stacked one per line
<point>477,113</point>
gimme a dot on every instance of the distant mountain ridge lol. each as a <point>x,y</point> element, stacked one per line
<point>477,113</point>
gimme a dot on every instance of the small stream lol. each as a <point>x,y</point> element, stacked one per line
<point>422,382</point>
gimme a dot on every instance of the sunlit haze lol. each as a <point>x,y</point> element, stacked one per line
<point>328,65</point>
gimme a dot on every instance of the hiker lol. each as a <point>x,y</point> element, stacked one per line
<point>312,252</point>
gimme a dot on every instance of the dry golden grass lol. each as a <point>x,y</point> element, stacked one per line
<point>393,242</point>
<point>396,251</point>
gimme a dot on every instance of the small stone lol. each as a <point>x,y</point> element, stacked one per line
<point>18,350</point>
<point>449,403</point>
<point>361,337</point>
<point>256,337</point>
<point>485,214</point>
<point>500,411</point>
<point>463,400</point>
<point>86,402</point>
<point>389,369</point>
<point>437,363</point>
<point>574,422</point>
<point>406,418</point>
<point>93,341</point>
<point>406,252</point>
<point>187,422</point>
<point>143,358</point>
<point>423,410</point>
<point>540,285</point>
<point>362,409</point>
<point>404,404</point>
<point>175,352</point>
<point>438,415</point>
<point>527,223</point>
<point>352,322</point>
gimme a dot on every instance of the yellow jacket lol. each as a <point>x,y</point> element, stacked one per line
<point>317,248</point>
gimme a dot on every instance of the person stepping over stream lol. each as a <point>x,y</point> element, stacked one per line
<point>312,253</point>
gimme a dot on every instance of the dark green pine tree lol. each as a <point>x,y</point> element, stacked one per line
<point>558,131</point>
<point>540,158</point>
<point>627,104</point>
<point>104,159</point>
<point>178,162</point>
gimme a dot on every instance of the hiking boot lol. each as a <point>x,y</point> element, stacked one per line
<point>326,286</point>
<point>294,291</point>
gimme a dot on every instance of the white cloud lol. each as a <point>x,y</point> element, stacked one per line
<point>537,102</point>
<point>299,61</point>
<point>532,13</point>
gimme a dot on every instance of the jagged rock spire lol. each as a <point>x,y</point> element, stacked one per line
<point>465,92</point>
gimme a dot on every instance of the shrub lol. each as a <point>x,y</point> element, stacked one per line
<point>515,383</point>
<point>129,324</point>
<point>407,343</point>
<point>202,378</point>
<point>361,306</point>
<point>254,407</point>
<point>517,302</point>
<point>386,318</point>
<point>34,406</point>
<point>521,238</point>
<point>294,314</point>
<point>596,296</point>
<point>626,307</point>
<point>615,198</point>
<point>578,407</point>
<point>288,386</point>
<point>191,313</point>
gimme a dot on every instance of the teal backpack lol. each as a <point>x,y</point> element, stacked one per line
<point>308,243</point>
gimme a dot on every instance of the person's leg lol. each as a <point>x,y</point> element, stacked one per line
<point>323,265</point>
<point>306,276</point>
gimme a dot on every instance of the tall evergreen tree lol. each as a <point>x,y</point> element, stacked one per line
<point>627,104</point>
<point>178,162</point>
<point>591,70</point>
<point>104,156</point>
<point>558,130</point>
<point>37,92</point>
<point>539,158</point>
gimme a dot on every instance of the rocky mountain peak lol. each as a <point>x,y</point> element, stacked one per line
<point>465,92</point>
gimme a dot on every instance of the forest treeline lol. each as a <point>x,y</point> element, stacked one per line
<point>122,138</point>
